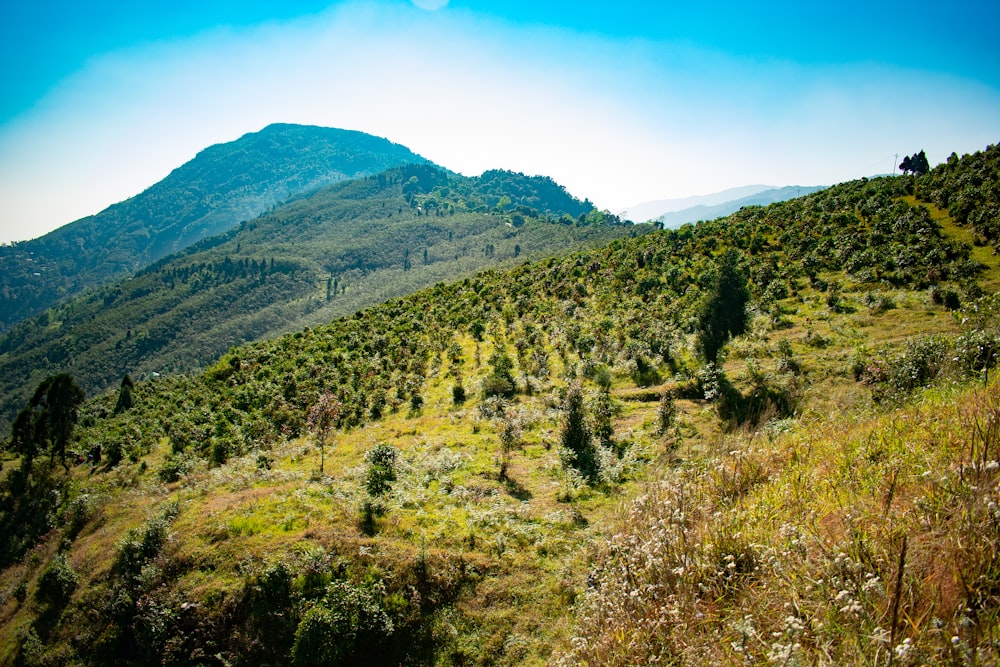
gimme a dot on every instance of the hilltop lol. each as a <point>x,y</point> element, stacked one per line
<point>580,459</point>
<point>222,186</point>
<point>321,255</point>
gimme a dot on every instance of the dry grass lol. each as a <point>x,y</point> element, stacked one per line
<point>791,553</point>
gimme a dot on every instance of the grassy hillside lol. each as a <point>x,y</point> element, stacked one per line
<point>222,186</point>
<point>320,256</point>
<point>536,466</point>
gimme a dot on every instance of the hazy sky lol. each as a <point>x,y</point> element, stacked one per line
<point>621,102</point>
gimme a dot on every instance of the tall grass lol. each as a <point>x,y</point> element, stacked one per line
<point>872,543</point>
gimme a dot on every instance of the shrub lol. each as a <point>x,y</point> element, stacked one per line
<point>644,374</point>
<point>500,382</point>
<point>895,375</point>
<point>879,303</point>
<point>977,351</point>
<point>666,412</point>
<point>347,627</point>
<point>143,544</point>
<point>174,467</point>
<point>509,428</point>
<point>493,385</point>
<point>57,582</point>
<point>601,376</point>
<point>220,452</point>
<point>577,442</point>
<point>723,312</point>
<point>602,410</point>
<point>948,298</point>
<point>381,468</point>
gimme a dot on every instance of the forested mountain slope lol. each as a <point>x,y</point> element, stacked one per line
<point>222,186</point>
<point>330,253</point>
<point>768,438</point>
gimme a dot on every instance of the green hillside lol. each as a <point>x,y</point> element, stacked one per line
<point>770,438</point>
<point>222,186</point>
<point>323,255</point>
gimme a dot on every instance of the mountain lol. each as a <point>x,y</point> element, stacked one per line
<point>654,209</point>
<point>319,256</point>
<point>677,218</point>
<point>222,186</point>
<point>541,464</point>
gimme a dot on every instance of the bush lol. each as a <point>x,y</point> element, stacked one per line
<point>879,303</point>
<point>895,375</point>
<point>948,298</point>
<point>666,412</point>
<point>977,351</point>
<point>723,312</point>
<point>497,386</point>
<point>381,468</point>
<point>174,467</point>
<point>579,451</point>
<point>645,374</point>
<point>347,627</point>
<point>143,544</point>
<point>57,582</point>
<point>601,376</point>
<point>500,382</point>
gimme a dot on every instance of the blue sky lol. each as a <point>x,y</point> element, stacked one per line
<point>621,102</point>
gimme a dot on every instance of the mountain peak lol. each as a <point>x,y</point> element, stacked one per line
<point>220,187</point>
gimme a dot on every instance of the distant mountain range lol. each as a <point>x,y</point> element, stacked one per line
<point>318,256</point>
<point>222,186</point>
<point>284,228</point>
<point>676,212</point>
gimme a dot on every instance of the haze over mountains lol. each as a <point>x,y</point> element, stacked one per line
<point>220,187</point>
<point>675,212</point>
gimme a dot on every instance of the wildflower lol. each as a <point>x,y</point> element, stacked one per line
<point>903,649</point>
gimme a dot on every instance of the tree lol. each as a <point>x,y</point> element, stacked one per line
<point>724,311</point>
<point>125,399</point>
<point>577,441</point>
<point>47,421</point>
<point>917,164</point>
<point>323,418</point>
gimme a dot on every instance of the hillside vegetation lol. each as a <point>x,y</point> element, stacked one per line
<point>319,256</point>
<point>222,186</point>
<point>581,460</point>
